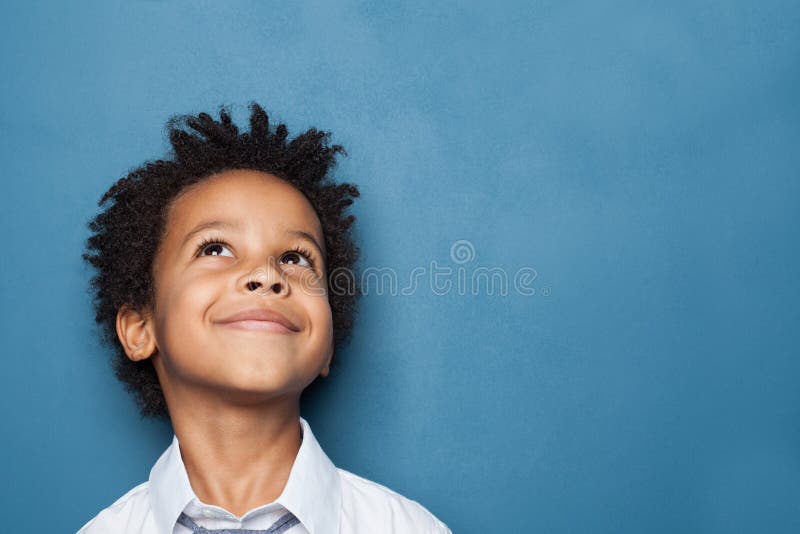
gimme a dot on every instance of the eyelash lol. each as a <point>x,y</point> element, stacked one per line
<point>219,241</point>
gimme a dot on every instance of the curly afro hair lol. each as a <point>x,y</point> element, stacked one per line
<point>127,234</point>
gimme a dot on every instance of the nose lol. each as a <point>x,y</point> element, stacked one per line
<point>266,279</point>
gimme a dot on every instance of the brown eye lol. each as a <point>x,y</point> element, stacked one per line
<point>214,248</point>
<point>296,257</point>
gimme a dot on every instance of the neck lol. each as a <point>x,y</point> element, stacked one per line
<point>237,457</point>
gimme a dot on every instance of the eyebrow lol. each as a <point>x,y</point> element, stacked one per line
<point>232,226</point>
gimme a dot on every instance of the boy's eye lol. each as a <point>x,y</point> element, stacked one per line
<point>295,257</point>
<point>215,248</point>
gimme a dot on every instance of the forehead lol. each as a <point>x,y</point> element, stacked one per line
<point>245,197</point>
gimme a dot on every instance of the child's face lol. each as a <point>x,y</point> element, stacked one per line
<point>197,287</point>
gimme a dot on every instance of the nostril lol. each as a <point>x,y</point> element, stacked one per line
<point>253,285</point>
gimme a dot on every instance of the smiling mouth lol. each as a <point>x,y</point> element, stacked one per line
<point>259,326</point>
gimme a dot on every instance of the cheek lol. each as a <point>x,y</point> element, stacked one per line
<point>182,306</point>
<point>319,311</point>
<point>311,290</point>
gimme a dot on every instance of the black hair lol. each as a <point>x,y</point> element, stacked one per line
<point>127,234</point>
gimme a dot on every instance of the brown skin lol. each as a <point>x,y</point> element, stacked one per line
<point>234,395</point>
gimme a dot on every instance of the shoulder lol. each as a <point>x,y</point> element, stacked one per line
<point>370,506</point>
<point>126,514</point>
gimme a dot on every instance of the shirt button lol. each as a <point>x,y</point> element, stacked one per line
<point>208,513</point>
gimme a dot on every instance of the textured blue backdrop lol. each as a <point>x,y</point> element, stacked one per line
<point>641,157</point>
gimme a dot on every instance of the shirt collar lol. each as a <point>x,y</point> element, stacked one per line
<point>312,493</point>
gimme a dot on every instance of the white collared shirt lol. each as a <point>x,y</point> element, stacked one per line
<point>325,498</point>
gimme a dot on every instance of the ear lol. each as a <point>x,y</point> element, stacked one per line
<point>326,370</point>
<point>135,332</point>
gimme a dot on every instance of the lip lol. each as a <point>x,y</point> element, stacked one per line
<point>260,319</point>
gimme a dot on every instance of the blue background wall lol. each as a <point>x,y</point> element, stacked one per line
<point>642,157</point>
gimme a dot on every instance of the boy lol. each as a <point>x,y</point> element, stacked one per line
<point>219,286</point>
